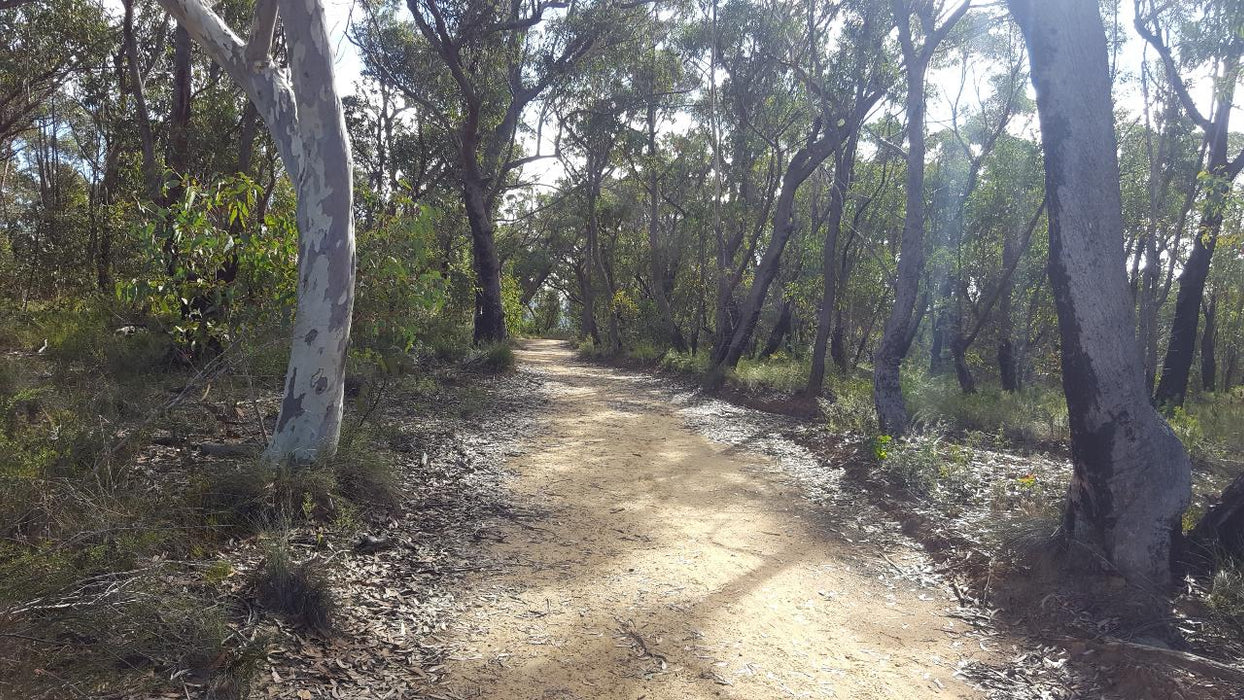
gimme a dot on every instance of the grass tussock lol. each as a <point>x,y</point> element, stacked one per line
<point>1225,596</point>
<point>299,592</point>
<point>492,358</point>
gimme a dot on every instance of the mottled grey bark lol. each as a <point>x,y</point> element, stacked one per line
<point>305,119</point>
<point>1131,479</point>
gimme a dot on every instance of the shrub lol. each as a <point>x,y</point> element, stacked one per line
<point>778,373</point>
<point>1226,592</point>
<point>851,409</point>
<point>587,348</point>
<point>644,352</point>
<point>921,463</point>
<point>686,363</point>
<point>260,495</point>
<point>493,358</point>
<point>298,592</point>
<point>1035,415</point>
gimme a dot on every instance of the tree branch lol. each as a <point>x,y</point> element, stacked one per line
<point>262,29</point>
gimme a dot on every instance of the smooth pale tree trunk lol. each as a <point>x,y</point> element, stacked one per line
<point>305,119</point>
<point>1132,478</point>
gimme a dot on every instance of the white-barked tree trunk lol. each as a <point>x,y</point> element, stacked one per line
<point>303,114</point>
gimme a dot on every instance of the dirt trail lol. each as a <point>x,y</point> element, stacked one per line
<point>671,566</point>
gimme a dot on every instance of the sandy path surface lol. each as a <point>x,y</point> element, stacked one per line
<point>671,566</point>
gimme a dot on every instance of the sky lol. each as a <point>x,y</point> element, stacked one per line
<point>943,81</point>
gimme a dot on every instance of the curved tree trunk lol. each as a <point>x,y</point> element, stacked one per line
<point>887,391</point>
<point>1131,479</point>
<point>899,327</point>
<point>306,121</point>
<point>801,166</point>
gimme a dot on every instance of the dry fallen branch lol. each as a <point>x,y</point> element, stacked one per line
<point>1119,650</point>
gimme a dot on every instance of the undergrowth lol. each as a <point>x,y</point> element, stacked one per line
<point>114,574</point>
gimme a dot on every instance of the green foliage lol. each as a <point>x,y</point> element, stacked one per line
<point>402,300</point>
<point>96,335</point>
<point>850,409</point>
<point>493,358</point>
<point>1209,428</point>
<point>778,373</point>
<point>207,263</point>
<point>921,463</point>
<point>686,363</point>
<point>1036,415</point>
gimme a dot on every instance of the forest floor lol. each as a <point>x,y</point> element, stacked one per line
<point>672,565</point>
<point>578,531</point>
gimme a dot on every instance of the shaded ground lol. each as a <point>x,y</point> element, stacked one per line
<point>672,565</point>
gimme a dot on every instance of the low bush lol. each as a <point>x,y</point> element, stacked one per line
<point>686,363</point>
<point>493,358</point>
<point>922,463</point>
<point>1226,592</point>
<point>1033,416</point>
<point>850,408</point>
<point>299,592</point>
<point>778,373</point>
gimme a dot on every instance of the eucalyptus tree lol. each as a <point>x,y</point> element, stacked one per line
<point>840,89</point>
<point>746,144</point>
<point>475,67</point>
<point>919,44</point>
<point>1211,38</point>
<point>968,144</point>
<point>659,77</point>
<point>1161,164</point>
<point>594,133</point>
<point>305,119</point>
<point>48,43</point>
<point>1131,477</point>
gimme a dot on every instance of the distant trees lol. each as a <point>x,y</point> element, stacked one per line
<point>1214,40</point>
<point>826,191</point>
